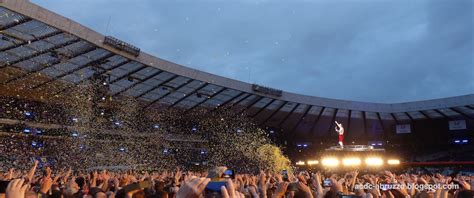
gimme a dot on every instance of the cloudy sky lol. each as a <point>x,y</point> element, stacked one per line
<point>366,50</point>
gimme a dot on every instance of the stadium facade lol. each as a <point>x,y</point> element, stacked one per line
<point>43,54</point>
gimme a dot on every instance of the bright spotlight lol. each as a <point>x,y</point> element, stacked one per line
<point>300,163</point>
<point>353,161</point>
<point>330,162</point>
<point>373,161</point>
<point>393,162</point>
<point>312,162</point>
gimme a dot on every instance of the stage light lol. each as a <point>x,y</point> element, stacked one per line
<point>393,161</point>
<point>457,141</point>
<point>312,162</point>
<point>465,141</point>
<point>75,134</point>
<point>300,163</point>
<point>156,126</point>
<point>26,130</point>
<point>74,119</point>
<point>330,161</point>
<point>373,161</point>
<point>353,161</point>
<point>239,130</point>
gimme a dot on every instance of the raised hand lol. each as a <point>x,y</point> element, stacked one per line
<point>228,191</point>
<point>317,184</point>
<point>336,186</point>
<point>193,188</point>
<point>94,179</point>
<point>262,184</point>
<point>32,171</point>
<point>11,171</point>
<point>281,189</point>
<point>46,184</point>
<point>305,189</point>
<point>16,189</point>
<point>253,191</point>
<point>177,176</point>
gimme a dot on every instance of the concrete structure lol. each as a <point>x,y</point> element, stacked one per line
<point>60,54</point>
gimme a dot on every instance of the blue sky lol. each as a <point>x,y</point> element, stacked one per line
<point>366,50</point>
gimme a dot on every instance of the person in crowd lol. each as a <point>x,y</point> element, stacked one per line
<point>215,183</point>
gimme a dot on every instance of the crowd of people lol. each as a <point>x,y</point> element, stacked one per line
<point>216,182</point>
<point>17,151</point>
<point>141,163</point>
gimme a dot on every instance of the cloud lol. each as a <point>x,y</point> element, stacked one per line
<point>375,51</point>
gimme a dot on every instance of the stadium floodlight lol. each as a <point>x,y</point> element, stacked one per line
<point>330,161</point>
<point>373,161</point>
<point>312,162</point>
<point>300,163</point>
<point>352,161</point>
<point>393,162</point>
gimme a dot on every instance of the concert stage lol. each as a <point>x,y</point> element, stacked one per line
<point>352,156</point>
<point>355,148</point>
<point>366,157</point>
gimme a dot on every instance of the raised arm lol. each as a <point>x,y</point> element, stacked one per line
<point>32,171</point>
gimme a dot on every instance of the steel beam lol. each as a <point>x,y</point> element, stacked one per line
<point>261,109</point>
<point>188,95</point>
<point>273,113</point>
<point>205,100</point>
<point>137,83</point>
<point>157,86</point>
<point>163,96</point>
<point>74,70</point>
<point>288,115</point>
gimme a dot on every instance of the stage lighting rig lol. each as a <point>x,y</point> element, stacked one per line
<point>352,161</point>
<point>330,162</point>
<point>373,161</point>
<point>393,162</point>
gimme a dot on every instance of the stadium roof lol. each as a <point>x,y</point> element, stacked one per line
<point>41,50</point>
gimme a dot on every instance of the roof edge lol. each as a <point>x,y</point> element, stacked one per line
<point>44,15</point>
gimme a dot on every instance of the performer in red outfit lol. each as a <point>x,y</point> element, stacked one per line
<point>340,131</point>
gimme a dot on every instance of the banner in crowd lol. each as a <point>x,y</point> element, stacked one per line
<point>403,128</point>
<point>457,125</point>
<point>43,161</point>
